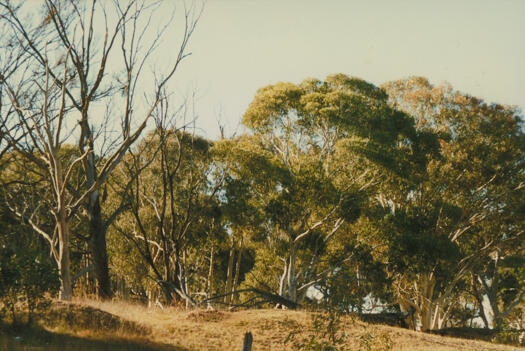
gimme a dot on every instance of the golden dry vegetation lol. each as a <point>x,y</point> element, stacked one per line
<point>124,326</point>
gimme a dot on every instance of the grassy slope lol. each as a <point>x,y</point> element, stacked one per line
<point>133,327</point>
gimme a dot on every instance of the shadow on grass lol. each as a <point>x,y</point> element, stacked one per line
<point>507,336</point>
<point>35,338</point>
<point>467,333</point>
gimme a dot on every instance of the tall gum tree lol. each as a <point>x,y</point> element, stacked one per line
<point>96,53</point>
<point>295,165</point>
<point>461,215</point>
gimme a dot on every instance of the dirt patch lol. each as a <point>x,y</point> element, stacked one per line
<point>207,316</point>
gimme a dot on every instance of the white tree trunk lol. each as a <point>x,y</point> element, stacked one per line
<point>292,284</point>
<point>229,277</point>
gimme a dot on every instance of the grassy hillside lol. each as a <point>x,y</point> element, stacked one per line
<point>96,326</point>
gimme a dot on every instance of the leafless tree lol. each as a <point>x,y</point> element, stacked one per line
<point>169,200</point>
<point>11,58</point>
<point>87,66</point>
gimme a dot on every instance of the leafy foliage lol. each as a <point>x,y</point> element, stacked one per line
<point>26,274</point>
<point>342,197</point>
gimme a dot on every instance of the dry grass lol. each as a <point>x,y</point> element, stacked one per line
<point>223,330</point>
<point>175,329</point>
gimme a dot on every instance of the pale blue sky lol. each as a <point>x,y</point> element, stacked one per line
<point>241,45</point>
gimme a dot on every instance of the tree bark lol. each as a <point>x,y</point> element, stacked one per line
<point>209,287</point>
<point>479,300</point>
<point>168,292</point>
<point>427,305</point>
<point>409,312</point>
<point>64,263</point>
<point>229,277</point>
<point>490,310</point>
<point>237,269</point>
<point>282,281</point>
<point>292,288</point>
<point>98,247</point>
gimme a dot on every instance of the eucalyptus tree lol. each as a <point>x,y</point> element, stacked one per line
<point>83,63</point>
<point>242,216</point>
<point>462,214</point>
<point>310,163</point>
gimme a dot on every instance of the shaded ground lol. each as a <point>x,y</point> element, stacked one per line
<point>71,327</point>
<point>508,336</point>
<point>62,342</point>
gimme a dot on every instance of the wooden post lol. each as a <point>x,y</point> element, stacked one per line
<point>248,339</point>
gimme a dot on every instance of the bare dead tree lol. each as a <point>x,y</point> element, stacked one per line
<point>41,149</point>
<point>11,60</point>
<point>168,199</point>
<point>97,55</point>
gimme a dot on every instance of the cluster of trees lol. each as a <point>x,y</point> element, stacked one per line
<point>406,197</point>
<point>69,77</point>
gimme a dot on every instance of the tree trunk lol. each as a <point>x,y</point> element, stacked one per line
<point>292,288</point>
<point>440,316</point>
<point>479,300</point>
<point>483,315</point>
<point>488,302</point>
<point>167,291</point>
<point>425,317</point>
<point>237,270</point>
<point>409,311</point>
<point>64,263</point>
<point>282,281</point>
<point>427,305</point>
<point>209,285</point>
<point>229,277</point>
<point>98,247</point>
<point>491,313</point>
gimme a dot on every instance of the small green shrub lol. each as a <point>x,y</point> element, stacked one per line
<point>328,334</point>
<point>24,279</point>
<point>509,337</point>
<point>374,340</point>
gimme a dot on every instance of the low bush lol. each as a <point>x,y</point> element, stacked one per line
<point>24,279</point>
